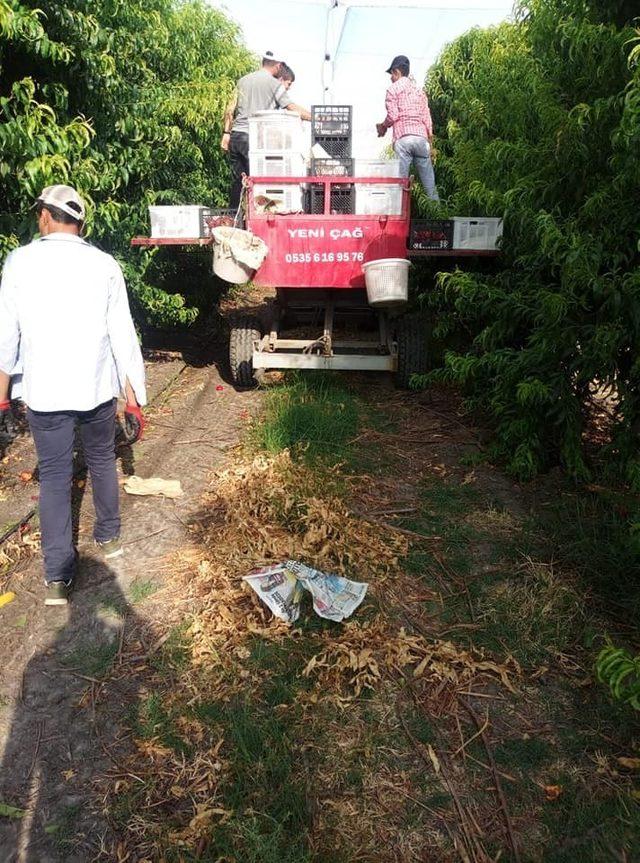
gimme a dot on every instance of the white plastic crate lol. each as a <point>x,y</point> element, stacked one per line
<point>376,168</point>
<point>378,199</point>
<point>170,221</point>
<point>478,233</point>
<point>270,131</point>
<point>264,164</point>
<point>287,197</point>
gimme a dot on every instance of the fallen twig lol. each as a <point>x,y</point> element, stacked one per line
<point>466,743</point>
<point>496,778</point>
<point>145,536</point>
<point>36,749</point>
<point>403,530</point>
<point>471,843</point>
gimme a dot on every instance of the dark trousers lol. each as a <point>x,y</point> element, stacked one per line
<point>239,160</point>
<point>54,434</point>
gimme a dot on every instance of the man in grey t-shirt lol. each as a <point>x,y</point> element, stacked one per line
<point>258,91</point>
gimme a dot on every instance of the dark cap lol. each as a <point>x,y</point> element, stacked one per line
<point>400,62</point>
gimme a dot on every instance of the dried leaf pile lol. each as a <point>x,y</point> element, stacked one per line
<point>260,511</point>
<point>270,509</point>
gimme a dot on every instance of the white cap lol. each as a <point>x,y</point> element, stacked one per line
<point>65,198</point>
<point>274,57</point>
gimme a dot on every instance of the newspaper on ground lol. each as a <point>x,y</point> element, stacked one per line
<point>281,586</point>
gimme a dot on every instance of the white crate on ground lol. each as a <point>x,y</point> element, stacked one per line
<point>378,199</point>
<point>286,198</point>
<point>376,168</point>
<point>476,233</point>
<point>278,164</point>
<point>276,130</point>
<point>173,221</point>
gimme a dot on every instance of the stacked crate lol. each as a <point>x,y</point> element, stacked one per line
<point>276,149</point>
<point>377,199</point>
<point>331,129</point>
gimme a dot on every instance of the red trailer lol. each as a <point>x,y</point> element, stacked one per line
<point>314,263</point>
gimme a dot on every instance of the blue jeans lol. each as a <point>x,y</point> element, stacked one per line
<point>414,148</point>
<point>54,434</point>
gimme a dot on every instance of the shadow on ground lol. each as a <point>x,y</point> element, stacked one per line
<point>60,720</point>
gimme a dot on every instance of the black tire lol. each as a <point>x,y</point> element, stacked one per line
<point>245,332</point>
<point>413,357</point>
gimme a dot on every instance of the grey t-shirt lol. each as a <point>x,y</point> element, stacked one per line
<point>258,91</point>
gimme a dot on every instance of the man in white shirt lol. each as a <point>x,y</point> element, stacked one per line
<point>64,309</point>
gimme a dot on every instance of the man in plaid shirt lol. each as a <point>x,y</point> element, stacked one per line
<point>409,116</point>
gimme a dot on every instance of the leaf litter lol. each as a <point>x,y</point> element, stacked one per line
<point>259,511</point>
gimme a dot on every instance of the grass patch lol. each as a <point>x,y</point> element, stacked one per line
<point>91,659</point>
<point>173,656</point>
<point>591,828</point>
<point>525,754</point>
<point>141,590</point>
<point>154,721</point>
<point>268,778</point>
<point>63,829</point>
<point>112,608</point>
<point>596,535</point>
<point>536,614</point>
<point>314,416</point>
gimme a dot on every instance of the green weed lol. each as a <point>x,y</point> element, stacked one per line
<point>591,533</point>
<point>173,655</point>
<point>93,660</point>
<point>314,416</point>
<point>153,721</point>
<point>140,590</point>
<point>63,829</point>
<point>535,614</point>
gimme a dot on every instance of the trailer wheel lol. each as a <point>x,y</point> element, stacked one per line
<point>411,334</point>
<point>245,332</point>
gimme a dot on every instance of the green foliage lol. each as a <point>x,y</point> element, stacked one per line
<point>621,673</point>
<point>123,100</point>
<point>539,122</point>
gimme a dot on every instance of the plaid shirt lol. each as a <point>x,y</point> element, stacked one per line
<point>407,110</point>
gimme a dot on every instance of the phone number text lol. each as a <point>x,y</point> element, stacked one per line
<point>323,257</point>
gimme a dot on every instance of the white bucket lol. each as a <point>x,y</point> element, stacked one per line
<point>237,254</point>
<point>387,281</point>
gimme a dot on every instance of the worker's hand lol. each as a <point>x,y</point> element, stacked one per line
<point>7,423</point>
<point>224,142</point>
<point>382,130</point>
<point>133,423</point>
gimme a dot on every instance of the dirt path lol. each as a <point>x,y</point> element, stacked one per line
<point>48,657</point>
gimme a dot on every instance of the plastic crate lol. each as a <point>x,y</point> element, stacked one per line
<point>431,234</point>
<point>342,167</point>
<point>175,221</point>
<point>377,168</point>
<point>342,199</point>
<point>476,233</point>
<point>286,198</point>
<point>334,147</point>
<point>279,164</point>
<point>331,120</point>
<point>217,217</point>
<point>378,199</point>
<point>270,131</point>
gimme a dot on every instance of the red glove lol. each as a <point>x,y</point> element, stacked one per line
<point>7,423</point>
<point>133,423</point>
